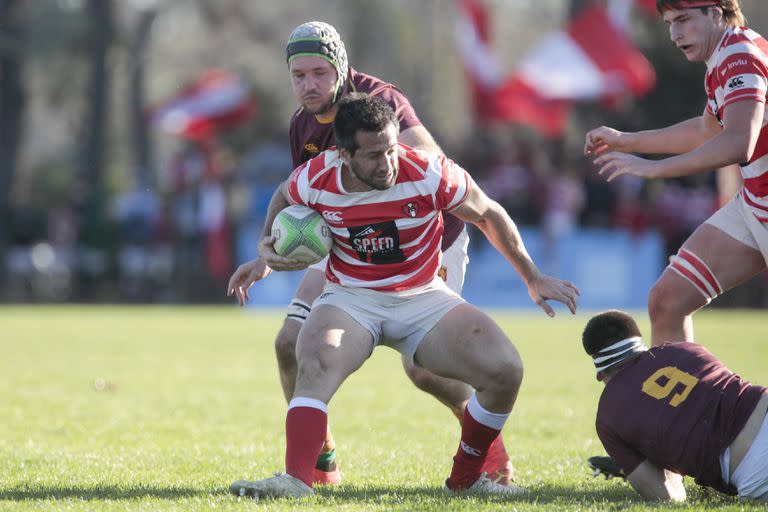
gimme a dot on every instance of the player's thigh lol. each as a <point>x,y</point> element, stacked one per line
<point>453,266</point>
<point>310,288</point>
<point>713,260</point>
<point>332,341</point>
<point>465,343</point>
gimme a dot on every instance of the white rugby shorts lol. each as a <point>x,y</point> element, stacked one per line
<point>398,320</point>
<point>737,220</point>
<point>751,476</point>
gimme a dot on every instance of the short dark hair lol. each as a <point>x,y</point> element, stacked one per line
<point>606,329</point>
<point>361,112</point>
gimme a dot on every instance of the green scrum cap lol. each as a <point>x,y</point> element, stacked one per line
<point>320,39</point>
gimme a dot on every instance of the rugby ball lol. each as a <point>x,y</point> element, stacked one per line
<point>302,234</point>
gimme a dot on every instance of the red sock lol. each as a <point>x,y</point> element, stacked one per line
<point>476,438</point>
<point>305,429</point>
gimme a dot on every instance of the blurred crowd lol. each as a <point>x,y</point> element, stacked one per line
<point>179,241</point>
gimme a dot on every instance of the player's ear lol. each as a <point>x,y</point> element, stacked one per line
<point>344,155</point>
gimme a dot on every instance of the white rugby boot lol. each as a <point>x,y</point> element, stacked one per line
<point>279,486</point>
<point>484,485</point>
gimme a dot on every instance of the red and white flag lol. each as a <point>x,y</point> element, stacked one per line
<point>589,59</point>
<point>218,99</point>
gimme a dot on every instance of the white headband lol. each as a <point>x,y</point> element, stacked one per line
<point>618,352</point>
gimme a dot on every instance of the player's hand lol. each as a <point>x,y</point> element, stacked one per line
<point>544,288</point>
<point>276,262</point>
<point>245,275</point>
<point>614,164</point>
<point>601,140</point>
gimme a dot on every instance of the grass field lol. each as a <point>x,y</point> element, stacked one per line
<point>160,408</point>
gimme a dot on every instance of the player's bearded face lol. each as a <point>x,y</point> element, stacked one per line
<point>313,80</point>
<point>375,161</point>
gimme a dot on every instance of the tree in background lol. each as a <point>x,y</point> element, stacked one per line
<point>11,110</point>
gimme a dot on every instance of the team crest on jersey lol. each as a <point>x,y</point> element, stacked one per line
<point>443,273</point>
<point>411,209</point>
<point>311,148</point>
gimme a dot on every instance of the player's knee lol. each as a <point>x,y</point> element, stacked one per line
<point>657,297</point>
<point>504,374</point>
<point>663,302</point>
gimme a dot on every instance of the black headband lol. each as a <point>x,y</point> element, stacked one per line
<point>310,47</point>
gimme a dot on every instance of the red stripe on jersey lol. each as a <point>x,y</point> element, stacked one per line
<point>749,94</point>
<point>762,44</point>
<point>702,268</point>
<point>366,213</point>
<point>316,165</point>
<point>293,184</point>
<point>757,186</point>
<point>751,202</point>
<point>421,278</point>
<point>430,265</point>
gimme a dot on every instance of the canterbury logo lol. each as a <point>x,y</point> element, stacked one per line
<point>332,216</point>
<point>312,148</point>
<point>469,450</point>
<point>736,82</point>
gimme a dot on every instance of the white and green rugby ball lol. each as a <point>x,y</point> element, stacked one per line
<point>302,234</point>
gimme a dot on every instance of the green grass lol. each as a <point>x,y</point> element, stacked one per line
<point>160,408</point>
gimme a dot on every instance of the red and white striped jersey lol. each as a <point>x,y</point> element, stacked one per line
<point>385,240</point>
<point>738,71</point>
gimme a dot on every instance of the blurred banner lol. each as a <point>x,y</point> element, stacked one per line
<point>589,59</point>
<point>217,100</point>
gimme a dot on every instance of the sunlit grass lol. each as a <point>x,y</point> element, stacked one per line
<point>160,408</point>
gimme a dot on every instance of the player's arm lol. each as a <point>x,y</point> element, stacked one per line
<point>419,137</point>
<point>259,268</point>
<point>654,483</point>
<point>729,182</point>
<point>672,140</point>
<point>501,231</point>
<point>735,143</point>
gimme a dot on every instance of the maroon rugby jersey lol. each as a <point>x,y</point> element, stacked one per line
<point>677,406</point>
<point>309,137</point>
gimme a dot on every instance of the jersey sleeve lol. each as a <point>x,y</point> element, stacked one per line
<point>624,455</point>
<point>402,107</point>
<point>293,139</point>
<point>744,76</point>
<point>298,185</point>
<point>455,184</point>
